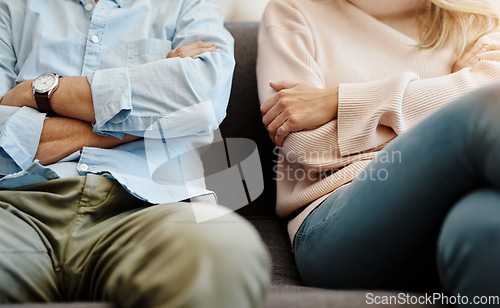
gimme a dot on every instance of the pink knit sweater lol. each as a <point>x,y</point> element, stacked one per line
<point>367,48</point>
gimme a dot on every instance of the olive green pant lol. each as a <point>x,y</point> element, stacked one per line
<point>86,238</point>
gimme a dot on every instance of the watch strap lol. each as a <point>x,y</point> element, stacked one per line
<point>43,99</point>
<point>43,103</point>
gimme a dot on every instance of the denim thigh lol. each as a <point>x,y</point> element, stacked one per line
<point>381,230</point>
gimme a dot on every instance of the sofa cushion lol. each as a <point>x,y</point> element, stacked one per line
<point>243,118</point>
<point>304,297</point>
<point>283,270</point>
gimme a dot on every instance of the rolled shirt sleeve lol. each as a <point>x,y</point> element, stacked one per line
<point>21,129</point>
<point>185,95</point>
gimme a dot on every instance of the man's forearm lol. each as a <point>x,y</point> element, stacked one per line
<point>64,136</point>
<point>73,99</point>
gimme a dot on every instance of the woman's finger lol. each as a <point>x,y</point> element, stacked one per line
<point>473,53</point>
<point>271,114</point>
<point>268,104</point>
<point>281,133</point>
<point>469,58</point>
<point>274,126</point>
<point>282,85</point>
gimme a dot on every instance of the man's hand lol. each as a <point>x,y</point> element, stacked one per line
<point>192,50</point>
<point>21,95</point>
<point>297,107</point>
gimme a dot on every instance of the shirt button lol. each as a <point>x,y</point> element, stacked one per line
<point>84,167</point>
<point>94,39</point>
<point>89,6</point>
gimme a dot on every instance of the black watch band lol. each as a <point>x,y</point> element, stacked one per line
<point>43,99</point>
<point>43,103</point>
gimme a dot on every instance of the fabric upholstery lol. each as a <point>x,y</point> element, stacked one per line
<point>243,118</point>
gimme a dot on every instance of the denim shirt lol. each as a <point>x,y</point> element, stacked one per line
<point>121,47</point>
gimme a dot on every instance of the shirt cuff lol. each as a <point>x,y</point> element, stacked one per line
<point>112,99</point>
<point>34,174</point>
<point>19,140</point>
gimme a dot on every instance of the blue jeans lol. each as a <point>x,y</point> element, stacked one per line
<point>426,210</point>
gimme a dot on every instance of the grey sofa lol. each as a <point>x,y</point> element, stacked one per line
<point>244,121</point>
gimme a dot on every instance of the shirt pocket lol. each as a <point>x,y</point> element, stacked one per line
<point>147,50</point>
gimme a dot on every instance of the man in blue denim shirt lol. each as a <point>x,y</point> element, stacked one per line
<point>97,96</point>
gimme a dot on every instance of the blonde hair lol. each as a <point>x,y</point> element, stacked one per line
<point>463,20</point>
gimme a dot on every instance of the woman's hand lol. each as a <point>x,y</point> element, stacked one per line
<point>469,58</point>
<point>192,50</point>
<point>297,107</point>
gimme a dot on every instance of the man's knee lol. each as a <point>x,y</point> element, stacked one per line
<point>172,259</point>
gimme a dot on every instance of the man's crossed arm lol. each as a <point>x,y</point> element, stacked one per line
<point>72,131</point>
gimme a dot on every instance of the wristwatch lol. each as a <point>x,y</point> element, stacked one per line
<point>43,87</point>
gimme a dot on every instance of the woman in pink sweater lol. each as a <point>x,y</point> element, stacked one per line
<point>377,182</point>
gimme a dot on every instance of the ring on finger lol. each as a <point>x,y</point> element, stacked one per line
<point>283,130</point>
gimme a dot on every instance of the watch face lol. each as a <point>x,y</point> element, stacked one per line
<point>45,83</point>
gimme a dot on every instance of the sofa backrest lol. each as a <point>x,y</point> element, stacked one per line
<point>244,119</point>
